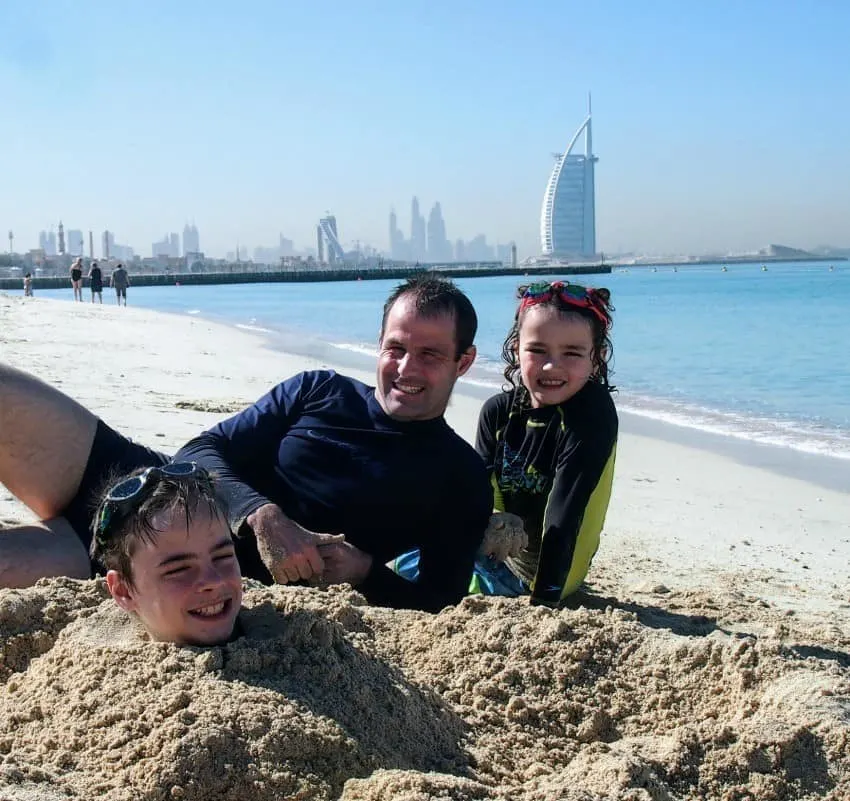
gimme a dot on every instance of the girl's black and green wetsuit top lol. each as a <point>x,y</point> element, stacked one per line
<point>554,467</point>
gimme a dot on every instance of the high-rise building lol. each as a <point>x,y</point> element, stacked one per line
<point>174,246</point>
<point>91,245</point>
<point>320,245</point>
<point>327,235</point>
<point>191,239</point>
<point>47,242</point>
<point>75,242</point>
<point>108,245</point>
<point>418,242</point>
<point>161,248</point>
<point>439,249</point>
<point>61,239</point>
<point>568,217</point>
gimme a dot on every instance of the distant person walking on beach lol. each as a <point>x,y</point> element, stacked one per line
<point>96,282</point>
<point>549,443</point>
<point>77,278</point>
<point>28,285</point>
<point>120,281</point>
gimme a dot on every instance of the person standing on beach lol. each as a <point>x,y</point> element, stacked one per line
<point>96,282</point>
<point>326,478</point>
<point>549,443</point>
<point>77,278</point>
<point>28,285</point>
<point>120,280</point>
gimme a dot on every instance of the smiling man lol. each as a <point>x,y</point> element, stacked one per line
<point>325,478</point>
<point>324,455</point>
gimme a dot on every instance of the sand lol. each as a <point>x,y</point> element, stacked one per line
<point>701,662</point>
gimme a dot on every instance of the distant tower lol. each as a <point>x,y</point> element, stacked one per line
<point>513,255</point>
<point>61,239</point>
<point>11,242</point>
<point>393,233</point>
<point>320,245</point>
<point>91,245</point>
<point>568,216</point>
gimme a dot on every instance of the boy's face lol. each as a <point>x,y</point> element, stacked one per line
<point>187,588</point>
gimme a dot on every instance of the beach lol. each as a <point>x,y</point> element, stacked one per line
<point>709,656</point>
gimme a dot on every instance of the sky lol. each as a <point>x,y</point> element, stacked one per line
<point>720,126</point>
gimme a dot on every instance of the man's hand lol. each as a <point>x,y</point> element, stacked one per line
<point>288,550</point>
<point>344,563</point>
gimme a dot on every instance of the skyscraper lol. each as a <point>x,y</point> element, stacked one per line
<point>191,239</point>
<point>418,244</point>
<point>61,239</point>
<point>439,248</point>
<point>568,216</point>
<point>75,242</point>
<point>47,242</point>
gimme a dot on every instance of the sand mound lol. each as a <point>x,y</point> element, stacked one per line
<point>326,698</point>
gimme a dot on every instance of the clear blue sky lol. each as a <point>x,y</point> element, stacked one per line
<point>717,124</point>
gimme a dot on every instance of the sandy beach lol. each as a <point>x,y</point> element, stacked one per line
<point>708,658</point>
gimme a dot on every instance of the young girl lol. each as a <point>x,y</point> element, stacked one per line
<point>550,440</point>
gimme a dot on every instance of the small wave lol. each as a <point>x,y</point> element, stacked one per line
<point>193,311</point>
<point>366,350</point>
<point>255,328</point>
<point>767,431</point>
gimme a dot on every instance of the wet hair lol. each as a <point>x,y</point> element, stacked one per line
<point>435,296</point>
<point>603,348</point>
<point>184,496</point>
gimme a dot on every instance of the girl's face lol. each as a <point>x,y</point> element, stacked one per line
<point>555,354</point>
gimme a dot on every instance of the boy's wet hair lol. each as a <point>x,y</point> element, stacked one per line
<point>433,296</point>
<point>113,547</point>
<point>600,320</point>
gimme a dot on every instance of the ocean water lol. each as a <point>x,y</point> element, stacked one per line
<point>750,354</point>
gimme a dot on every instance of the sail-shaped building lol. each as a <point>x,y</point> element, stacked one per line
<point>568,217</point>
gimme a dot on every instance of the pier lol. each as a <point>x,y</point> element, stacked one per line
<point>253,274</point>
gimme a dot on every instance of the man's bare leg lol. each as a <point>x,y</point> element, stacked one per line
<point>45,442</point>
<point>41,550</point>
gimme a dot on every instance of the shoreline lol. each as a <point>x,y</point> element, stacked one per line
<point>681,516</point>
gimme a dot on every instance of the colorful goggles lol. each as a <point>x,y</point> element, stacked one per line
<point>130,493</point>
<point>576,295</point>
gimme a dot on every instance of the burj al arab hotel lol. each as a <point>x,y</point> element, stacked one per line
<point>568,217</point>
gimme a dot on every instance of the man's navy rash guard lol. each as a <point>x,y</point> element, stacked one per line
<point>320,446</point>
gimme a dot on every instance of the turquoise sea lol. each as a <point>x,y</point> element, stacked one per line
<point>746,354</point>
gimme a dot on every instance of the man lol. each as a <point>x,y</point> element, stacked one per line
<point>120,280</point>
<point>318,456</point>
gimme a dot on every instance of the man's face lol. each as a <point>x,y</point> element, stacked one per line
<point>417,366</point>
<point>187,587</point>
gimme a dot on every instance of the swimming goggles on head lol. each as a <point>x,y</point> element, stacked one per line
<point>130,493</point>
<point>571,294</point>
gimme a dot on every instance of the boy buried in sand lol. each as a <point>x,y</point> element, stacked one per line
<point>162,536</point>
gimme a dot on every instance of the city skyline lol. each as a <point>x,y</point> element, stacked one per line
<point>697,111</point>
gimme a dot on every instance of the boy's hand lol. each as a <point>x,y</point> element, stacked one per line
<point>505,536</point>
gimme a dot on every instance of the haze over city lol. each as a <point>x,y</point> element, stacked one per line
<point>717,128</point>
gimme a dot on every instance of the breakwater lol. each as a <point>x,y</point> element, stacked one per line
<point>307,276</point>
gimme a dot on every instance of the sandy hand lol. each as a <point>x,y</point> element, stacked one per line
<point>505,536</point>
<point>288,550</point>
